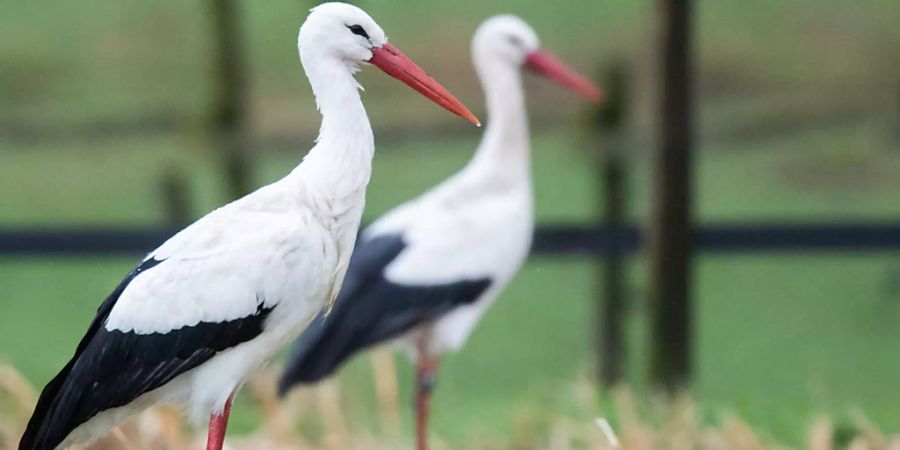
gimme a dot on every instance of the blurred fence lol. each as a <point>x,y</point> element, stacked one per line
<point>549,239</point>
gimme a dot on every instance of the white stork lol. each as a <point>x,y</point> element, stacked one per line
<point>427,270</point>
<point>212,304</point>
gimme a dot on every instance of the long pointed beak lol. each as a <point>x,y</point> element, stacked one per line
<point>397,65</point>
<point>544,63</point>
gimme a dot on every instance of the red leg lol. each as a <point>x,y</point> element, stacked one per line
<point>425,377</point>
<point>217,425</point>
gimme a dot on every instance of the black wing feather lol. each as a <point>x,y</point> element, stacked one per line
<point>370,310</point>
<point>113,368</point>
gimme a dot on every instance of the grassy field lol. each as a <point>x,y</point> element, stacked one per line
<point>781,338</point>
<point>779,341</point>
<point>97,59</point>
<point>796,123</point>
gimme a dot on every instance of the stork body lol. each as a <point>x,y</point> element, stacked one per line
<point>427,271</point>
<point>200,313</point>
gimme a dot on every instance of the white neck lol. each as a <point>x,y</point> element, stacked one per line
<point>504,149</point>
<point>340,163</point>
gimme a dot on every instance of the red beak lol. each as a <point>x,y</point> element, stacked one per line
<point>543,63</point>
<point>397,65</point>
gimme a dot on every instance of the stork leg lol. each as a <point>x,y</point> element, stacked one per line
<point>426,367</point>
<point>218,423</point>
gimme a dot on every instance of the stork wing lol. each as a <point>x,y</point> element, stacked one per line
<point>202,292</point>
<point>371,309</point>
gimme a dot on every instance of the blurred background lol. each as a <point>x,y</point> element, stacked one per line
<point>120,121</point>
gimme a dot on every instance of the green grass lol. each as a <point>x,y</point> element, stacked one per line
<point>828,174</point>
<point>780,338</point>
<point>100,59</point>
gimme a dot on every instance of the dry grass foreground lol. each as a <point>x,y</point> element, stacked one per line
<point>680,428</point>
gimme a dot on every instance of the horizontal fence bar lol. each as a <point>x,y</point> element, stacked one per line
<point>726,238</point>
<point>83,242</point>
<point>549,239</point>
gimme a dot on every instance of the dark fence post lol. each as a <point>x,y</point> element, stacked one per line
<point>173,188</point>
<point>670,228</point>
<point>612,182</point>
<point>229,108</point>
<point>896,124</point>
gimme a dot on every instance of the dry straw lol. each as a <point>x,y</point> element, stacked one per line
<point>667,426</point>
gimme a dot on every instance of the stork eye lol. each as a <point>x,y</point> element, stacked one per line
<point>358,30</point>
<point>515,41</point>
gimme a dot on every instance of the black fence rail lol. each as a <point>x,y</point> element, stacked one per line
<point>725,238</point>
<point>551,239</point>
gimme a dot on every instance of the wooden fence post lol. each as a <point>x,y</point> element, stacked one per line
<point>174,191</point>
<point>670,231</point>
<point>229,108</point>
<point>896,124</point>
<point>612,183</point>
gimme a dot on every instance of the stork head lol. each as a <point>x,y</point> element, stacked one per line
<point>507,39</point>
<point>342,31</point>
<point>345,33</point>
